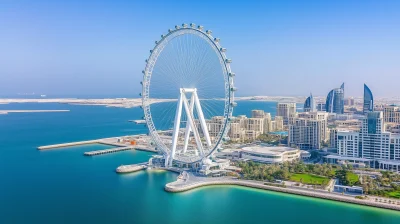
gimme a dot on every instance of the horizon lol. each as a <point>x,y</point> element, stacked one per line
<point>75,48</point>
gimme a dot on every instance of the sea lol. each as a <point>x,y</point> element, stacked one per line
<point>63,186</point>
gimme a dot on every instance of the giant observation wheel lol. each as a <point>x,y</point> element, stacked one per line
<point>188,94</point>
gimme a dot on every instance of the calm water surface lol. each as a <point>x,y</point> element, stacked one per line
<point>63,186</point>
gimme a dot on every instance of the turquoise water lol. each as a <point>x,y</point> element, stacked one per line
<point>63,186</point>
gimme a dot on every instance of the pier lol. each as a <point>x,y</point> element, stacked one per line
<point>106,151</point>
<point>68,144</point>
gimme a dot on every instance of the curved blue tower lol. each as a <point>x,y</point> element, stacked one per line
<point>368,105</point>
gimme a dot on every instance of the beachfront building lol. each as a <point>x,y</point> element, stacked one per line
<point>265,154</point>
<point>374,138</point>
<point>335,101</point>
<point>309,104</point>
<point>372,145</point>
<point>368,105</point>
<point>285,110</point>
<point>309,130</point>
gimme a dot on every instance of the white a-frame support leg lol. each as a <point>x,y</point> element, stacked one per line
<point>175,134</point>
<point>190,125</point>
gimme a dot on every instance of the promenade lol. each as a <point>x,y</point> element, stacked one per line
<point>190,181</point>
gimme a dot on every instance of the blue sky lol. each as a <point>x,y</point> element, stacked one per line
<point>277,47</point>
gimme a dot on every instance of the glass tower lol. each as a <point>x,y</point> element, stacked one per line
<point>309,104</point>
<point>368,105</point>
<point>335,101</point>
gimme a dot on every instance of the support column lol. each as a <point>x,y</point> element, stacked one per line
<point>202,120</point>
<point>188,126</point>
<point>177,125</point>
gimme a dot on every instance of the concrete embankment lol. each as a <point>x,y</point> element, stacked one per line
<point>329,196</point>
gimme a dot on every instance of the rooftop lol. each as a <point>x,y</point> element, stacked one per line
<point>277,150</point>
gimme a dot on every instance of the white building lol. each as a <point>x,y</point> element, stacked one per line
<point>285,110</point>
<point>348,143</point>
<point>375,142</point>
<point>270,154</point>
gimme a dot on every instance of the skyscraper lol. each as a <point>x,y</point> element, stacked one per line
<point>368,105</point>
<point>310,105</point>
<point>335,101</point>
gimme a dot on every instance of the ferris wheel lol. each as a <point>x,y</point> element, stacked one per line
<point>188,94</point>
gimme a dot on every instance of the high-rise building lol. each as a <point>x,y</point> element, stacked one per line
<point>371,145</point>
<point>321,107</point>
<point>391,114</point>
<point>308,130</point>
<point>309,104</point>
<point>375,141</point>
<point>368,105</point>
<point>244,128</point>
<point>349,101</point>
<point>257,114</point>
<point>348,143</point>
<point>285,110</point>
<point>335,101</point>
<point>277,124</point>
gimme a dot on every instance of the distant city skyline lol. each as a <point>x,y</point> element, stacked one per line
<point>278,48</point>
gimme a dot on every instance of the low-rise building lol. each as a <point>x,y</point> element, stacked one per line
<point>264,154</point>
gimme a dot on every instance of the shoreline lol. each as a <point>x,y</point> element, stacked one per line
<point>108,102</point>
<point>31,111</point>
<point>252,184</point>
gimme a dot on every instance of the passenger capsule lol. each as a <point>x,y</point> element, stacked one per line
<point>216,40</point>
<point>177,27</point>
<point>228,60</point>
<point>141,83</point>
<point>200,27</point>
<point>162,36</point>
<point>151,51</point>
<point>140,94</point>
<point>143,72</point>
<point>233,89</point>
<point>146,60</point>
<point>233,104</point>
<point>222,49</point>
<point>192,25</point>
<point>156,42</point>
<point>231,74</point>
<point>169,30</point>
<point>184,25</point>
<point>226,139</point>
<point>209,32</point>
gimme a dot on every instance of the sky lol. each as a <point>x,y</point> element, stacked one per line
<point>287,48</point>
